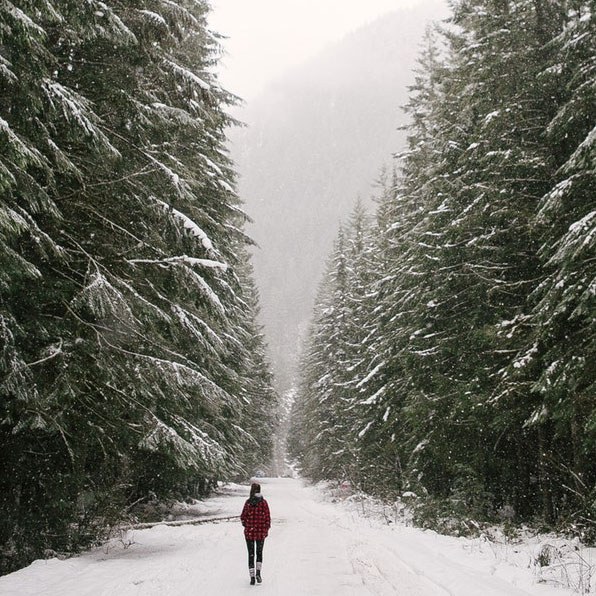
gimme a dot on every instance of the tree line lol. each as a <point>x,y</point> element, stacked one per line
<point>453,342</point>
<point>131,363</point>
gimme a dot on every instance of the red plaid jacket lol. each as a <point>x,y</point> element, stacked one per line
<point>256,518</point>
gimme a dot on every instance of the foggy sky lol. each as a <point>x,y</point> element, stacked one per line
<point>269,37</point>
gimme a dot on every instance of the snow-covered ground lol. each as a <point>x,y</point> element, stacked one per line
<point>315,547</point>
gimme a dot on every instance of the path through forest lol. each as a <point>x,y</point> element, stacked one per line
<point>314,548</point>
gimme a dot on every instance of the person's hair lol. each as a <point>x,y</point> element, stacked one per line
<point>254,489</point>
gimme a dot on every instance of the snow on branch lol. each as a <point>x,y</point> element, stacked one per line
<point>41,237</point>
<point>153,17</point>
<point>189,77</point>
<point>211,164</point>
<point>582,156</point>
<point>527,357</point>
<point>180,185</point>
<point>365,429</point>
<point>188,224</point>
<point>27,268</point>
<point>104,300</point>
<point>540,414</point>
<point>371,374</point>
<point>74,108</point>
<point>162,435</point>
<point>52,12</point>
<point>226,286</point>
<point>5,70</point>
<point>178,115</point>
<point>580,238</point>
<point>210,449</point>
<point>181,375</point>
<point>160,313</point>
<point>195,325</point>
<point>103,11</point>
<point>11,221</point>
<point>180,11</point>
<point>552,200</point>
<point>372,400</point>
<point>240,234</point>
<point>217,173</point>
<point>19,146</point>
<point>62,161</point>
<point>204,287</point>
<point>22,18</point>
<point>192,261</point>
<point>226,186</point>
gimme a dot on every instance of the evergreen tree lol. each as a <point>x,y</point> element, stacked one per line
<point>474,378</point>
<point>127,307</point>
<point>325,418</point>
<point>554,363</point>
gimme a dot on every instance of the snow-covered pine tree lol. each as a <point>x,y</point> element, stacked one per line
<point>325,419</point>
<point>39,118</point>
<point>363,272</point>
<point>475,374</point>
<point>313,388</point>
<point>259,420</point>
<point>478,253</point>
<point>387,441</point>
<point>321,407</point>
<point>381,380</point>
<point>556,362</point>
<point>132,325</point>
<point>406,407</point>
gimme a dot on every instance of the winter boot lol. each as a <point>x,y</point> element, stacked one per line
<point>259,566</point>
<point>252,576</point>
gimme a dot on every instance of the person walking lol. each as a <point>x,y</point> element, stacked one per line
<point>256,519</point>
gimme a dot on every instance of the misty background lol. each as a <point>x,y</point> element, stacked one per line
<point>315,141</point>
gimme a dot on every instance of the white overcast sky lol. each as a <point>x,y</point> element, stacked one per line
<point>267,37</point>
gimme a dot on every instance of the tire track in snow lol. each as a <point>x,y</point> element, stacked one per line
<point>378,565</point>
<point>407,547</point>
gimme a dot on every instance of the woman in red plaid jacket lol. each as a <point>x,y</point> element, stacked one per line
<point>256,520</point>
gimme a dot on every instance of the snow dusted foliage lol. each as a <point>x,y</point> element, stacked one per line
<point>483,172</point>
<point>327,396</point>
<point>130,360</point>
<point>473,379</point>
<point>563,342</point>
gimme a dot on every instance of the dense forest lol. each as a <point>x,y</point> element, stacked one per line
<point>451,355</point>
<point>131,363</point>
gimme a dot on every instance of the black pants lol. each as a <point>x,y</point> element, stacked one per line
<point>250,544</point>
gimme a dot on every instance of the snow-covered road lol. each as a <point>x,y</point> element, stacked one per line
<point>314,548</point>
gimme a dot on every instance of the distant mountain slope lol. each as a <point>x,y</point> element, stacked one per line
<point>317,140</point>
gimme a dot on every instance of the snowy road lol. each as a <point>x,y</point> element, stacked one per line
<point>314,548</point>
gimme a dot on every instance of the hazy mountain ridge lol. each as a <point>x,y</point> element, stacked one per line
<point>315,141</point>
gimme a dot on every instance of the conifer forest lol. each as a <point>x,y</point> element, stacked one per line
<point>131,361</point>
<point>451,354</point>
<point>452,350</point>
